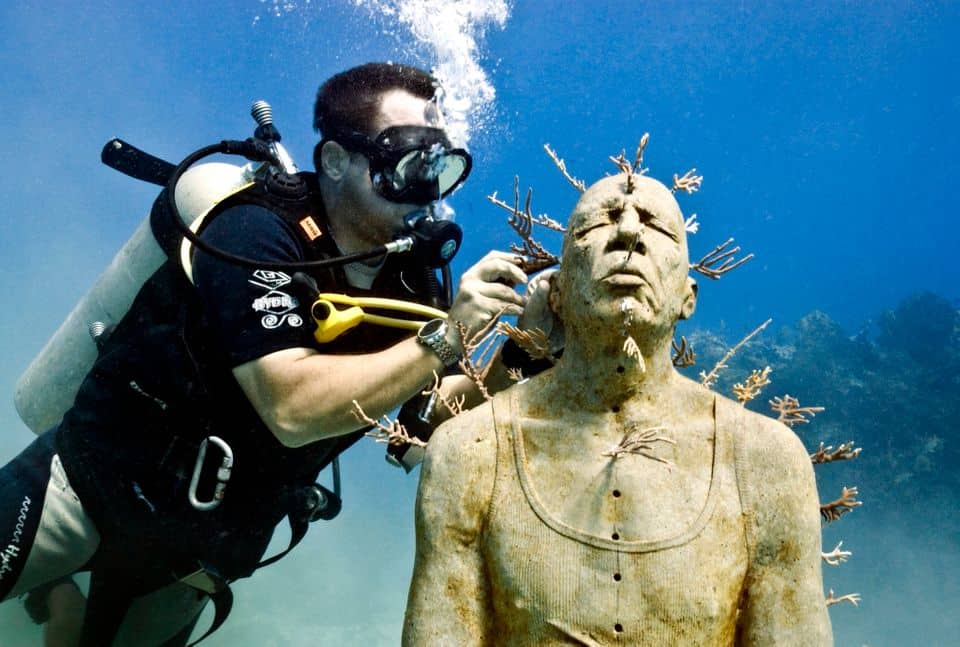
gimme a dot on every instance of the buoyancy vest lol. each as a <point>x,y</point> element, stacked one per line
<point>159,387</point>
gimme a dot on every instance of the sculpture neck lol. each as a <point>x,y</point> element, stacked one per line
<point>598,374</point>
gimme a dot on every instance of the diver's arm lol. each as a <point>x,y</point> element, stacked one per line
<point>784,601</point>
<point>303,395</point>
<point>450,601</point>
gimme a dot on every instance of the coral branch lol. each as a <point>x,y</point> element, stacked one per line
<point>719,261</point>
<point>836,509</point>
<point>622,163</point>
<point>534,342</point>
<point>577,184</point>
<point>709,379</point>
<point>454,405</point>
<point>836,556</point>
<point>852,598</point>
<point>478,350</point>
<point>631,349</point>
<point>536,257</point>
<point>689,183</point>
<point>752,386</point>
<point>690,225</point>
<point>790,412</point>
<point>638,158</point>
<point>683,354</point>
<point>828,454</point>
<point>640,442</point>
<point>389,431</point>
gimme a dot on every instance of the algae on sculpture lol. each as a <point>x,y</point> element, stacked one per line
<point>610,499</point>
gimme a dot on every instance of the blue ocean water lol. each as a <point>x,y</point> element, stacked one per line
<point>826,133</point>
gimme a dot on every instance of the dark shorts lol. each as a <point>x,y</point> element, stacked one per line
<point>45,534</point>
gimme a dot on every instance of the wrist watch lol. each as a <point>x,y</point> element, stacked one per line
<point>433,335</point>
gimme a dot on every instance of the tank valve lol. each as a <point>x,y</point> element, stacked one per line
<point>262,112</point>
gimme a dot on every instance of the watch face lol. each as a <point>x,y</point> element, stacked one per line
<point>432,327</point>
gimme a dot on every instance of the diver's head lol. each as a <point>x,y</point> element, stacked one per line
<point>624,250</point>
<point>384,152</point>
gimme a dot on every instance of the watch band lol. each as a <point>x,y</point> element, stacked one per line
<point>436,340</point>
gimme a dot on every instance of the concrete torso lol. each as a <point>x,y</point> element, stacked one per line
<point>584,548</point>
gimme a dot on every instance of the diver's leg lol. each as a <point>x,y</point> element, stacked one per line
<point>44,536</point>
<point>44,531</point>
<point>66,606</point>
<point>165,617</point>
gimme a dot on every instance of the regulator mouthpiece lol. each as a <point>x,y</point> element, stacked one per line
<point>435,242</point>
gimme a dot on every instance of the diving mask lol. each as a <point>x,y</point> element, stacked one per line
<point>411,164</point>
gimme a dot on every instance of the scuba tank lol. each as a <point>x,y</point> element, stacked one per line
<point>46,390</point>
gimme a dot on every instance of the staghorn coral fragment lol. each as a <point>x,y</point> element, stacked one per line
<point>683,354</point>
<point>479,349</point>
<point>534,256</point>
<point>719,261</point>
<point>577,184</point>
<point>828,454</point>
<point>454,406</point>
<point>709,379</point>
<point>632,350</point>
<point>640,442</point>
<point>638,157</point>
<point>689,183</point>
<point>534,341</point>
<point>622,163</point>
<point>790,412</point>
<point>839,507</point>
<point>836,556</point>
<point>752,386</point>
<point>636,168</point>
<point>852,598</point>
<point>389,431</point>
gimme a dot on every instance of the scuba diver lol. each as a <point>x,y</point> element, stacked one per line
<point>211,407</point>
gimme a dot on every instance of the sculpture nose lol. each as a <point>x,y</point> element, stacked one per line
<point>630,231</point>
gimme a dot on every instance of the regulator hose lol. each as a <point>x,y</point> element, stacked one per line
<point>256,151</point>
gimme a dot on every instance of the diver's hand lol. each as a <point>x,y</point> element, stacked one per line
<point>486,290</point>
<point>538,314</point>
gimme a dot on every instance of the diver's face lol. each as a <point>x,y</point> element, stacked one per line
<point>379,219</point>
<point>625,252</point>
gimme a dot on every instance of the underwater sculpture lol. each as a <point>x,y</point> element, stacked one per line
<point>611,499</point>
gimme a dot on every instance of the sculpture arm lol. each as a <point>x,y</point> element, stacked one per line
<point>450,599</point>
<point>783,600</point>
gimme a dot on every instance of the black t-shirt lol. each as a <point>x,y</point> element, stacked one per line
<point>251,312</point>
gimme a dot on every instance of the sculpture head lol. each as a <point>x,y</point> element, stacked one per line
<point>624,257</point>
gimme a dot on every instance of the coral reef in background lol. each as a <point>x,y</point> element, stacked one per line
<point>894,386</point>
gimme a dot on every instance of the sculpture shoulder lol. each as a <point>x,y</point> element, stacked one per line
<point>774,475</point>
<point>457,480</point>
<point>466,438</point>
<point>766,447</point>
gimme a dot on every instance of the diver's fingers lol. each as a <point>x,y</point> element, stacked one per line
<point>478,301</point>
<point>497,291</point>
<point>497,267</point>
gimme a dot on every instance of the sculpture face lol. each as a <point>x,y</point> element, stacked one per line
<point>625,251</point>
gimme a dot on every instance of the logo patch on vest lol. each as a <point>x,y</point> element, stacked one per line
<point>310,228</point>
<point>278,306</point>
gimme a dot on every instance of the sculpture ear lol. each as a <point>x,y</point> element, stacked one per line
<point>331,159</point>
<point>689,299</point>
<point>553,296</point>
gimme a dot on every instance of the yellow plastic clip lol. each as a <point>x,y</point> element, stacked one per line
<point>333,322</point>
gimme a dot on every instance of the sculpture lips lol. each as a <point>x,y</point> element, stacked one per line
<point>624,277</point>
